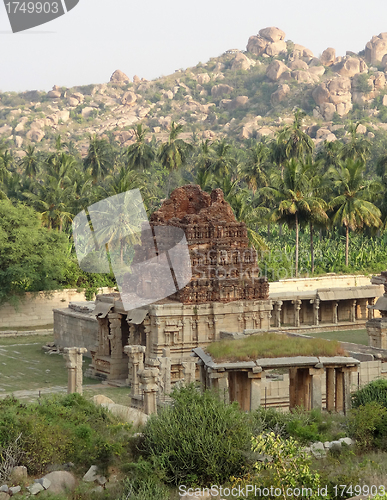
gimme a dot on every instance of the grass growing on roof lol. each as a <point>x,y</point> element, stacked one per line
<point>271,345</point>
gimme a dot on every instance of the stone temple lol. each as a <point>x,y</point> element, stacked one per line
<point>225,293</point>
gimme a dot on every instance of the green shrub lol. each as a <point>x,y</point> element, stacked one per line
<point>198,440</point>
<point>62,429</point>
<point>367,424</point>
<point>374,391</point>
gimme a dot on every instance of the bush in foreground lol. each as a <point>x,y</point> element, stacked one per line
<point>198,440</point>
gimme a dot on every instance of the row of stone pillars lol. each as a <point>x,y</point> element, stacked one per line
<point>277,308</point>
<point>305,388</point>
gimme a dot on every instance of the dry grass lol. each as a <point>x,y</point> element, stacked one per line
<point>271,345</point>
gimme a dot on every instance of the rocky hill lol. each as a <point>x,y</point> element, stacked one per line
<point>241,94</point>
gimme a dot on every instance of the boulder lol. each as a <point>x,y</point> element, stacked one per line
<point>6,130</point>
<point>35,135</point>
<point>127,414</point>
<point>316,70</point>
<point>343,108</point>
<point>328,57</point>
<point>18,141</point>
<point>91,475</point>
<point>54,94</point>
<point>99,399</point>
<point>348,441</point>
<point>384,102</point>
<point>221,89</point>
<point>272,34</point>
<point>380,80</point>
<point>18,474</point>
<point>328,110</point>
<point>61,481</point>
<point>203,78</point>
<point>276,48</point>
<point>361,129</point>
<point>384,61</point>
<point>15,489</point>
<point>335,446</point>
<point>321,94</point>
<point>72,102</point>
<point>129,98</point>
<point>136,79</point>
<point>339,86</point>
<point>376,48</point>
<point>280,94</point>
<point>298,64</point>
<point>301,51</point>
<point>63,115</point>
<point>275,70</point>
<point>318,450</point>
<point>87,111</point>
<point>35,488</point>
<point>119,77</point>
<point>241,62</point>
<point>256,45</point>
<point>264,132</point>
<point>302,76</point>
<point>4,496</point>
<point>350,66</point>
<point>77,95</point>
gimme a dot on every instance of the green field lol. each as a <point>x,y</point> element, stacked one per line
<point>354,336</point>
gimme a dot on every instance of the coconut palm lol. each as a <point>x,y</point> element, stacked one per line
<point>255,171</point>
<point>223,162</point>
<point>173,154</point>
<point>357,148</point>
<point>30,162</point>
<point>293,198</point>
<point>351,206</point>
<point>139,156</point>
<point>100,159</point>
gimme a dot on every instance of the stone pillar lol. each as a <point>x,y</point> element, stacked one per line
<point>339,390</point>
<point>297,307</point>
<point>103,337</point>
<point>136,363</point>
<point>277,313</point>
<point>257,381</point>
<point>223,386</point>
<point>371,312</point>
<point>149,378</point>
<point>300,382</point>
<point>316,307</point>
<point>316,399</point>
<point>347,371</point>
<point>165,371</point>
<point>189,371</point>
<point>115,336</point>
<point>147,330</point>
<point>330,389</point>
<point>335,318</point>
<point>74,358</point>
<point>352,316</point>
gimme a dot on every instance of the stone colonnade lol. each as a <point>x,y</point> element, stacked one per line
<point>245,381</point>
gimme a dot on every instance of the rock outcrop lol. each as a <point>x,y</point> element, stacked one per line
<point>376,48</point>
<point>276,69</point>
<point>119,77</point>
<point>269,41</point>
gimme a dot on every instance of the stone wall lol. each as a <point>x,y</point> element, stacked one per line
<point>309,284</point>
<point>37,309</point>
<point>72,328</point>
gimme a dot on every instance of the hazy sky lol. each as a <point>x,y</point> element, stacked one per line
<point>150,38</point>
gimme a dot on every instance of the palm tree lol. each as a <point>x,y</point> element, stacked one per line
<point>30,162</point>
<point>224,162</point>
<point>255,171</point>
<point>293,198</point>
<point>173,154</point>
<point>352,208</point>
<point>357,148</point>
<point>100,159</point>
<point>139,156</point>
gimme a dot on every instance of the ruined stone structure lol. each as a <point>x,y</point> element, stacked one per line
<point>244,381</point>
<point>377,327</point>
<point>224,268</point>
<point>225,293</point>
